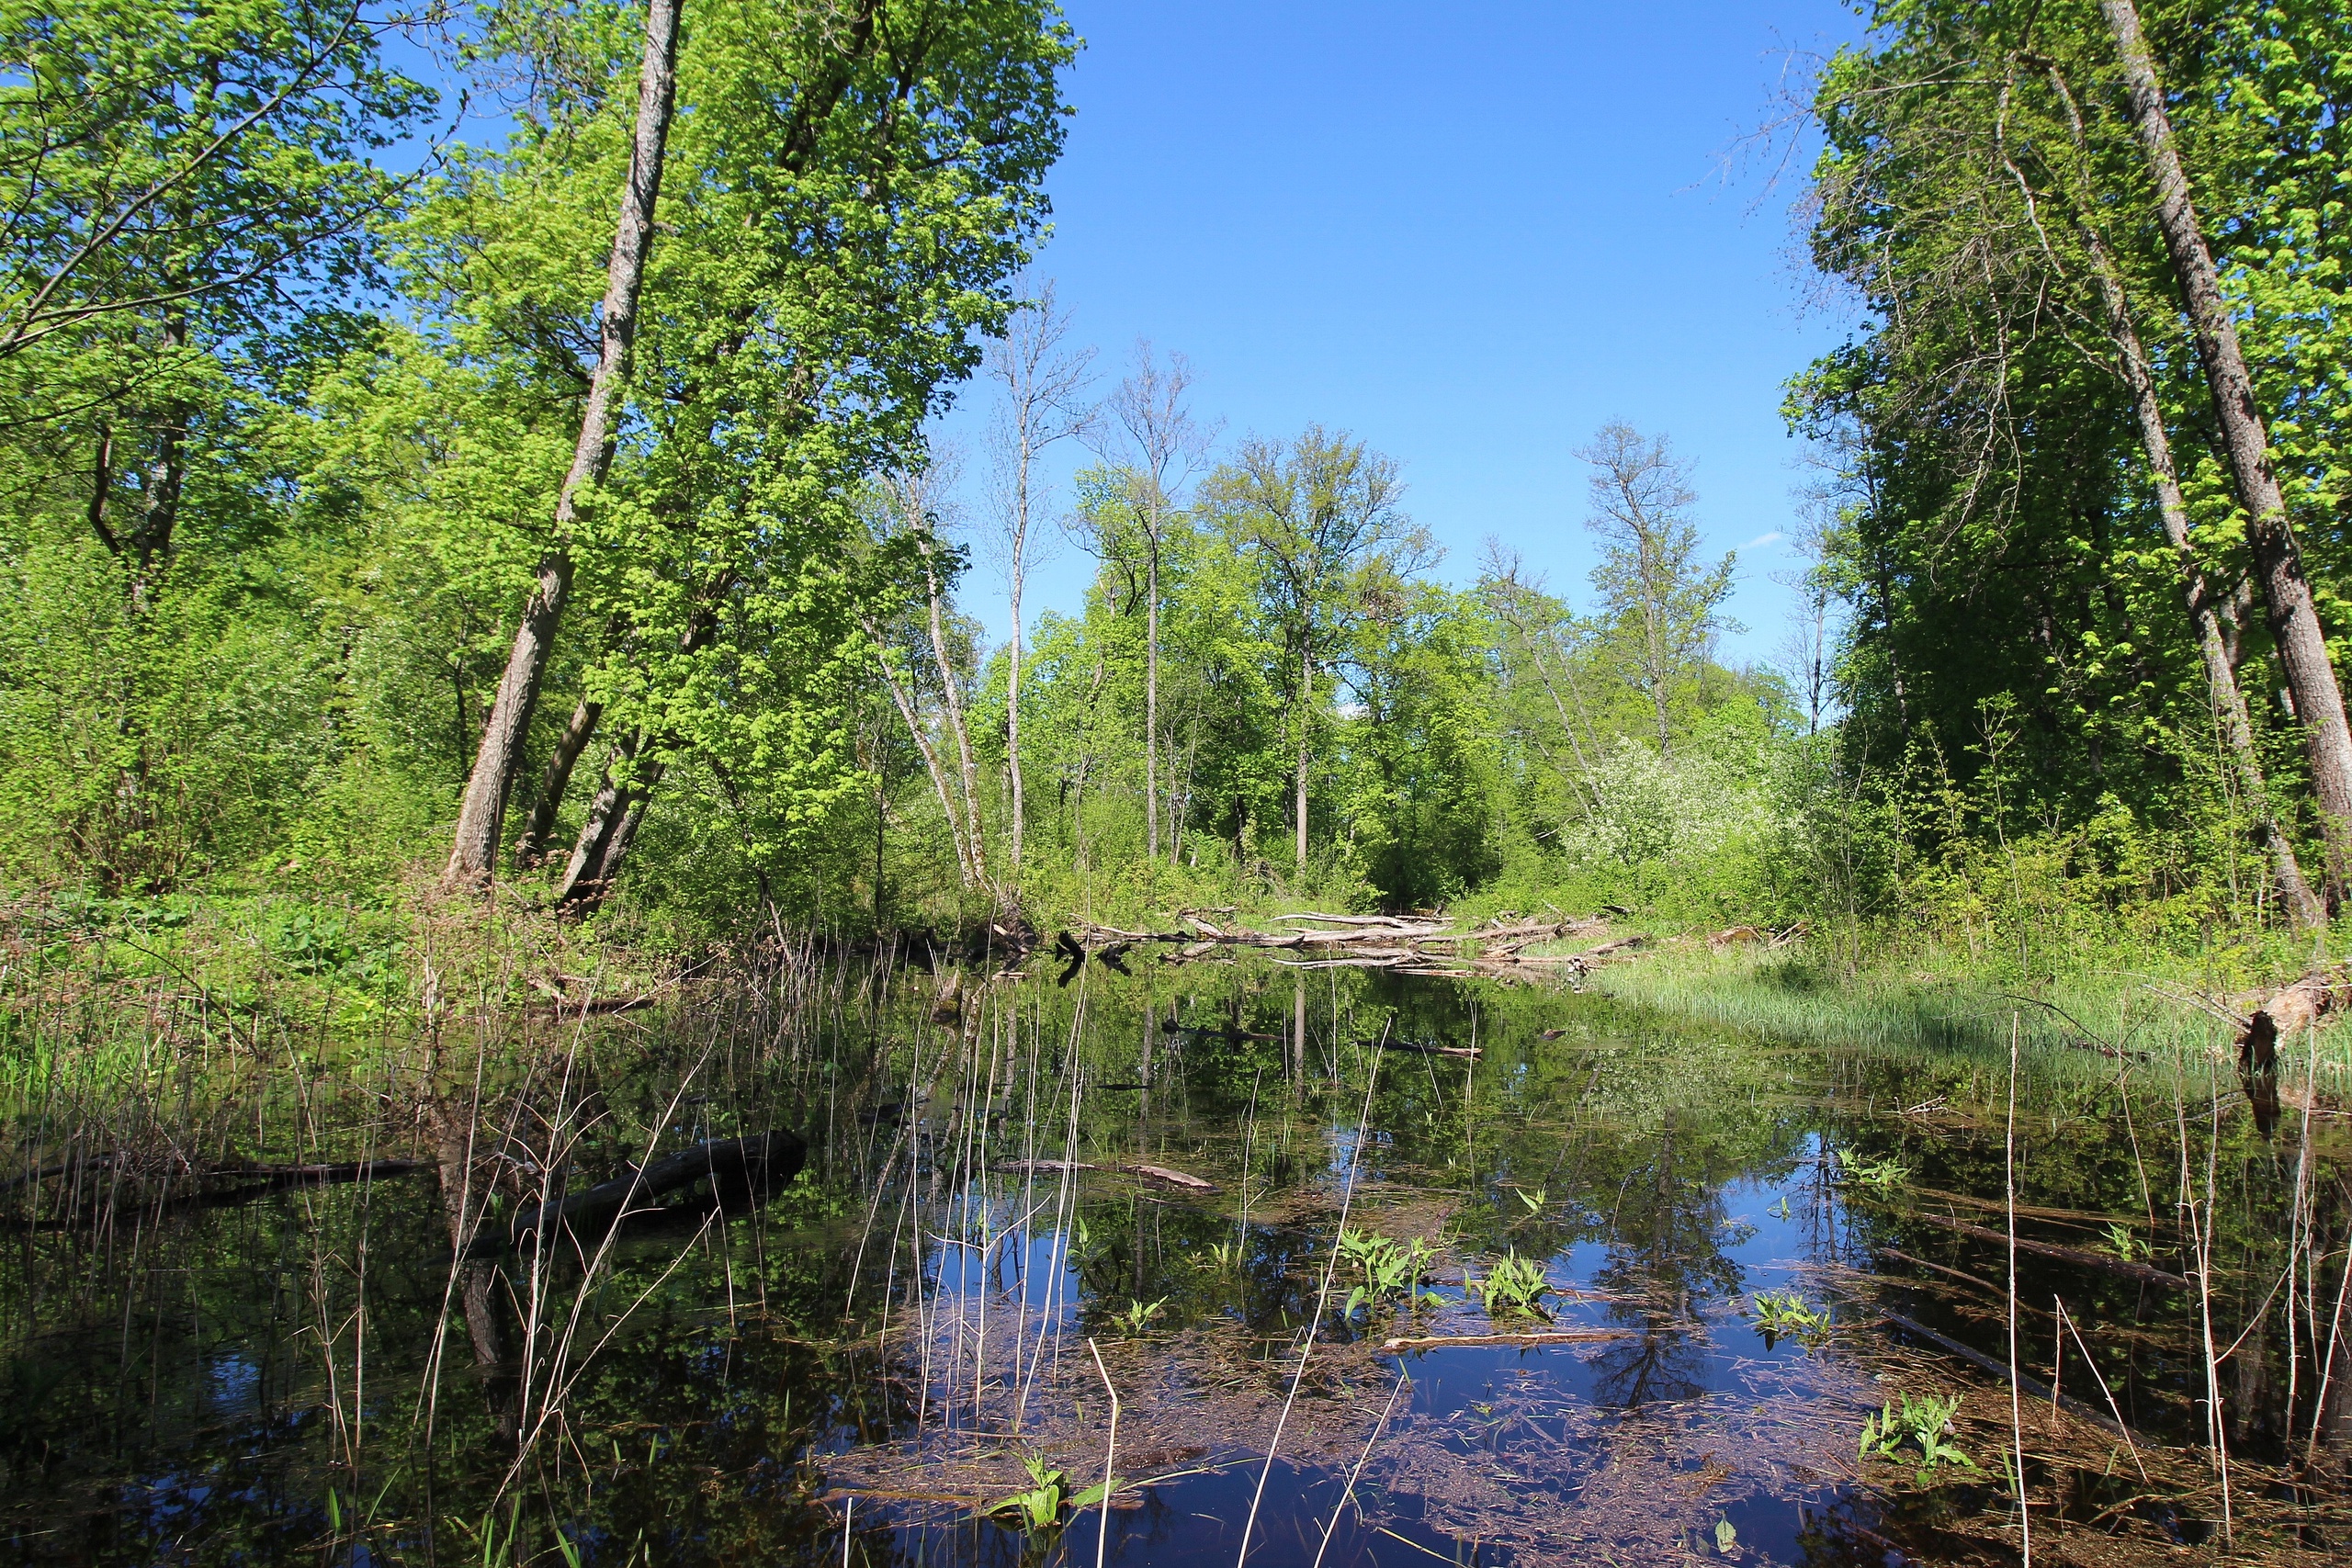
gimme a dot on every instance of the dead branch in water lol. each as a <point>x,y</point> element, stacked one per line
<point>2146,1274</point>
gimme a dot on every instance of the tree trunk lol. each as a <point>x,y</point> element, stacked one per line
<point>951,698</point>
<point>474,853</point>
<point>2220,669</point>
<point>1012,700</point>
<point>613,820</point>
<point>931,762</point>
<point>2294,622</point>
<point>556,780</point>
<point>2229,701</point>
<point>1305,717</point>
<point>1151,697</point>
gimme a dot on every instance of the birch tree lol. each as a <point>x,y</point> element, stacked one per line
<point>1041,402</point>
<point>1650,574</point>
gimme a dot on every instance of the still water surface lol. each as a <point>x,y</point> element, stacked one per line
<point>851,1366</point>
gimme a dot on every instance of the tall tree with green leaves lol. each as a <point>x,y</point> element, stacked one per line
<point>1650,575</point>
<point>190,220</point>
<point>850,198</point>
<point>473,853</point>
<point>1318,513</point>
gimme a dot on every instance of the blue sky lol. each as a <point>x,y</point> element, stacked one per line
<point>1467,233</point>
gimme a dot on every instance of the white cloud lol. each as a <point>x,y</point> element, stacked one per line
<point>1774,538</point>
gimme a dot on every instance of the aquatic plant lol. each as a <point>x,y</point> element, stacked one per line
<point>1139,1316</point>
<point>1390,1268</point>
<point>1878,1174</point>
<point>1924,1424</point>
<point>1040,1506</point>
<point>1223,1257</point>
<point>1513,1284</point>
<point>1784,1314</point>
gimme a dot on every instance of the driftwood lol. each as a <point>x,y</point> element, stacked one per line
<point>1532,1336</point>
<point>1149,1172</point>
<point>1465,1053</point>
<point>268,1175</point>
<point>762,1160</point>
<point>2146,1274</point>
<point>2026,1381</point>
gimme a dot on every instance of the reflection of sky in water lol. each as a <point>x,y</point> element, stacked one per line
<point>235,1384</point>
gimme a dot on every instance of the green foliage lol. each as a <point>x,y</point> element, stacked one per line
<point>1389,1270</point>
<point>1878,1175</point>
<point>1923,1424</point>
<point>1512,1286</point>
<point>1139,1316</point>
<point>1042,1505</point>
<point>1784,1314</point>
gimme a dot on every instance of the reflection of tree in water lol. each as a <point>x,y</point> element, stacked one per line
<point>1666,1258</point>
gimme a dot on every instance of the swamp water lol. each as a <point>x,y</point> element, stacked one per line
<point>1022,1199</point>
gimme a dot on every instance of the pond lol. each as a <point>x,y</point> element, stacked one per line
<point>1616,1286</point>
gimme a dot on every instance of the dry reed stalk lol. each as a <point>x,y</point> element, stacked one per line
<point>1110,1453</point>
<point>1347,1493</point>
<point>1322,1297</point>
<point>2016,1408</point>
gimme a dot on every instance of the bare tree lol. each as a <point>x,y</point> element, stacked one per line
<point>1533,618</point>
<point>1157,444</point>
<point>1042,403</point>
<point>916,505</point>
<point>1805,652</point>
<point>474,853</point>
<point>1650,574</point>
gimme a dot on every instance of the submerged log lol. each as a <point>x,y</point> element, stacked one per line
<point>760,1161</point>
<point>1532,1337</point>
<point>1149,1172</point>
<point>2146,1274</point>
<point>2025,1382</point>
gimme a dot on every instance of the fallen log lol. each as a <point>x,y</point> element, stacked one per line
<point>1466,1053</point>
<point>2026,1381</point>
<point>760,1160</point>
<point>2145,1273</point>
<point>286,1174</point>
<point>1149,1172</point>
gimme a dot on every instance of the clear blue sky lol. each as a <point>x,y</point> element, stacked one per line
<point>1468,233</point>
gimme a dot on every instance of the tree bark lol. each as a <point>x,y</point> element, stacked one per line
<point>612,823</point>
<point>1151,696</point>
<point>931,762</point>
<point>2303,908</point>
<point>1012,686</point>
<point>2294,621</point>
<point>1305,717</point>
<point>556,780</point>
<point>2229,701</point>
<point>951,700</point>
<point>473,854</point>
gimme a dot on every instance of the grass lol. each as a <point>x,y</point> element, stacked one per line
<point>1910,997</point>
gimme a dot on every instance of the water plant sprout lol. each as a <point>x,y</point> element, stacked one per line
<point>1391,1269</point>
<point>1784,1314</point>
<point>1924,1424</point>
<point>1513,1285</point>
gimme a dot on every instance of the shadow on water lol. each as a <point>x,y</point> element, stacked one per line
<point>557,1294</point>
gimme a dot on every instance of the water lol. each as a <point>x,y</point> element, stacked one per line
<point>850,1368</point>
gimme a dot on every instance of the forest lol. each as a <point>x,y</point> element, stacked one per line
<point>503,510</point>
<point>379,499</point>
